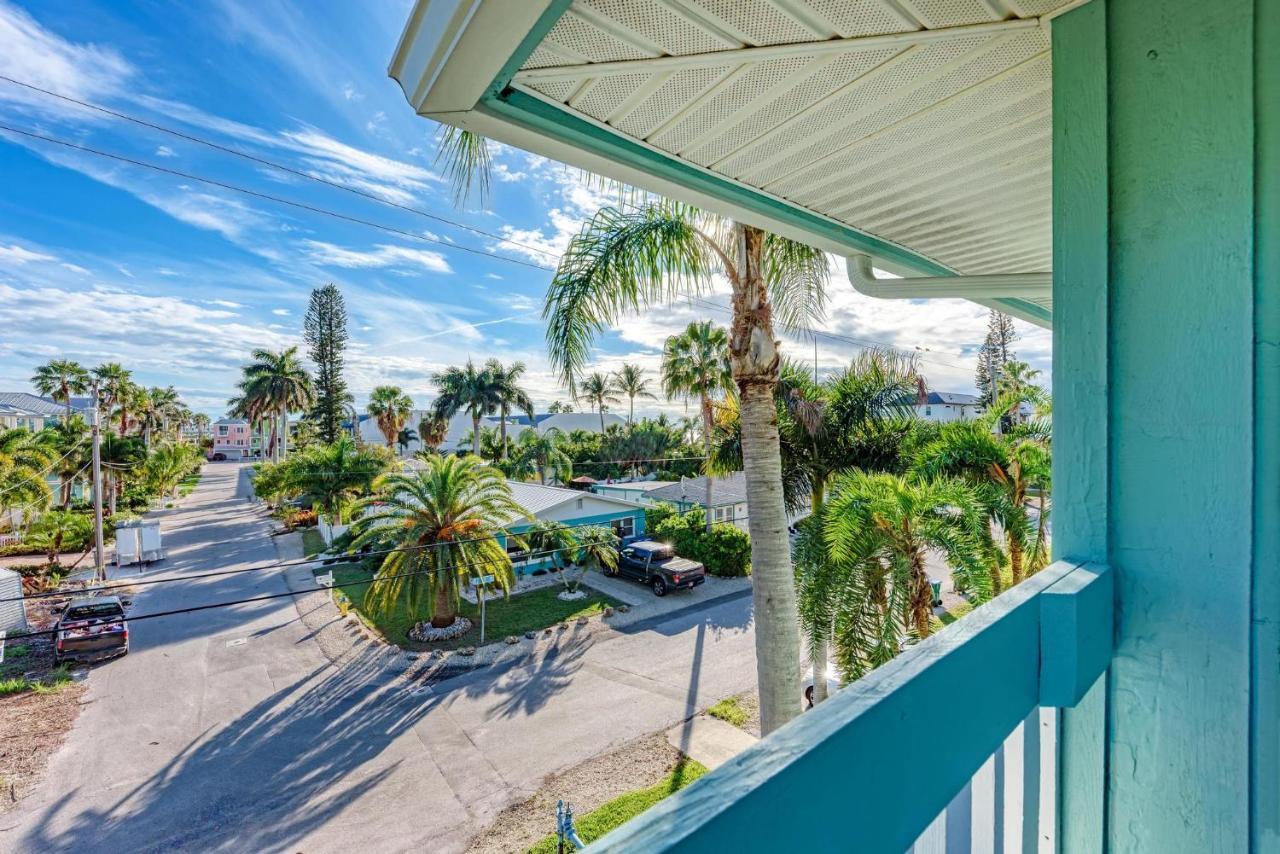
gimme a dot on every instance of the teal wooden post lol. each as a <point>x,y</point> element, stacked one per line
<point>1165,419</point>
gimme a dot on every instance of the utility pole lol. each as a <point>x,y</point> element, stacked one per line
<point>99,562</point>
<point>991,373</point>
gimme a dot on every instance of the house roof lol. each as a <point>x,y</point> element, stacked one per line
<point>639,485</point>
<point>725,489</point>
<point>536,498</point>
<point>953,397</point>
<point>229,421</point>
<point>32,403</point>
<point>914,133</point>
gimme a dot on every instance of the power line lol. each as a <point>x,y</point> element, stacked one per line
<point>40,474</point>
<point>188,176</point>
<point>280,166</point>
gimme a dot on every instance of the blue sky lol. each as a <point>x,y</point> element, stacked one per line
<point>179,280</point>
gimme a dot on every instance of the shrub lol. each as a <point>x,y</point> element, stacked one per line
<point>657,514</point>
<point>295,519</point>
<point>725,551</point>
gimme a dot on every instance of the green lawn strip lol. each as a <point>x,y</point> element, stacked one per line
<point>729,711</point>
<point>623,808</point>
<point>312,542</point>
<point>525,612</point>
<point>950,615</point>
<point>188,483</point>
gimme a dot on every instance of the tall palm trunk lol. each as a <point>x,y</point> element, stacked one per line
<point>284,434</point>
<point>600,407</point>
<point>502,433</point>
<point>753,355</point>
<point>1015,558</point>
<point>475,433</point>
<point>706,450</point>
<point>819,650</point>
<point>631,410</point>
<point>443,612</point>
<point>124,420</point>
<point>921,595</point>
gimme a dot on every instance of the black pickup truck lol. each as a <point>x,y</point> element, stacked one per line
<point>657,565</point>
<point>91,629</point>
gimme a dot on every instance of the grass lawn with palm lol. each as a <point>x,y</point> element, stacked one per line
<point>526,612</point>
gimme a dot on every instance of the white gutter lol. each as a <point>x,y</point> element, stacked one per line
<point>998,286</point>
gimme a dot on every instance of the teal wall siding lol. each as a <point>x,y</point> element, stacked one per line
<point>1160,386</point>
<point>599,519</point>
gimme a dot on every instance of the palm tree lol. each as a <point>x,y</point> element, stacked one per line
<point>695,363</point>
<point>60,379</point>
<point>626,260</point>
<point>404,437</point>
<point>156,408</point>
<point>71,445</point>
<point>546,451</point>
<point>631,381</point>
<point>509,394</point>
<point>471,389</point>
<point>120,456</point>
<point>201,422</point>
<point>1003,470</point>
<point>445,522</point>
<point>864,559</point>
<point>114,385</point>
<point>433,430</point>
<point>25,459</point>
<point>390,407</point>
<point>331,475</point>
<point>597,390</point>
<point>277,384</point>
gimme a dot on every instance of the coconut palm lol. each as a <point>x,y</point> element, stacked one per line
<point>60,379</point>
<point>72,448</point>
<point>597,390</point>
<point>547,453</point>
<point>201,422</point>
<point>865,581</point>
<point>156,409</point>
<point>121,456</point>
<point>631,381</point>
<point>390,407</point>
<point>332,475</point>
<point>510,395</point>
<point>25,458</point>
<point>695,364</point>
<point>114,385</point>
<point>445,523</point>
<point>277,383</point>
<point>624,261</point>
<point>470,389</point>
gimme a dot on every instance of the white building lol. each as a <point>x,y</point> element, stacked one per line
<point>631,490</point>
<point>943,406</point>
<point>457,437</point>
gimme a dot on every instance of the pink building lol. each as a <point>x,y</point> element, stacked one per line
<point>232,438</point>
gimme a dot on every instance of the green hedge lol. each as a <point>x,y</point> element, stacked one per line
<point>725,550</point>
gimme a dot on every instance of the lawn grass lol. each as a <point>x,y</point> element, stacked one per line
<point>623,808</point>
<point>52,682</point>
<point>730,711</point>
<point>949,616</point>
<point>312,542</point>
<point>189,483</point>
<point>526,612</point>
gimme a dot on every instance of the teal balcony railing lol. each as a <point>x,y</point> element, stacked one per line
<point>947,748</point>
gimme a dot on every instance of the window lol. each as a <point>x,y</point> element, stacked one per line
<point>624,527</point>
<point>722,513</point>
<point>579,503</point>
<point>928,410</point>
<point>222,431</point>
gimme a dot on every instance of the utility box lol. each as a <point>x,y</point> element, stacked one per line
<point>13,615</point>
<point>138,541</point>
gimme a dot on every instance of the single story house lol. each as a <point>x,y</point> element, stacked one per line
<point>631,490</point>
<point>728,496</point>
<point>943,406</point>
<point>14,417</point>
<point>571,507</point>
<point>48,409</point>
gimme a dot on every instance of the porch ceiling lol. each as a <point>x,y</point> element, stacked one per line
<point>922,124</point>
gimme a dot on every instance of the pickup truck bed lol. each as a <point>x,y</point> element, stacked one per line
<point>91,629</point>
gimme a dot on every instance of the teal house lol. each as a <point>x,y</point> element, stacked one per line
<point>1110,169</point>
<point>572,508</point>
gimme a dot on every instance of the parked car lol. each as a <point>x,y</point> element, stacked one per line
<point>91,629</point>
<point>658,565</point>
<point>217,457</point>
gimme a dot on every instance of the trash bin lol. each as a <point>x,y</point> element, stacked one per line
<point>937,592</point>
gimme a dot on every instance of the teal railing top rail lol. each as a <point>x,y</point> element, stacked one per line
<point>875,764</point>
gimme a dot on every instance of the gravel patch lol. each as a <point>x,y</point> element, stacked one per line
<point>637,765</point>
<point>32,727</point>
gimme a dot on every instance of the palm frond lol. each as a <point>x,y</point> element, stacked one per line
<point>796,275</point>
<point>467,165</point>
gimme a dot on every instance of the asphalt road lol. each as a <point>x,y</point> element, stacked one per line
<point>230,730</point>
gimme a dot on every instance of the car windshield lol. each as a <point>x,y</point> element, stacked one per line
<point>88,612</point>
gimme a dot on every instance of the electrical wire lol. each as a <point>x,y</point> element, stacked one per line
<point>40,474</point>
<point>235,188</point>
<point>262,161</point>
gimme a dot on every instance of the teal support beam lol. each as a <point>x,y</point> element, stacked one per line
<point>1081,385</point>
<point>1077,621</point>
<point>1163,389</point>
<point>1265,717</point>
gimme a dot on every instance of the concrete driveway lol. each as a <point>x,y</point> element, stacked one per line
<point>230,730</point>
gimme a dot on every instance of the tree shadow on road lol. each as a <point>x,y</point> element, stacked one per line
<point>261,782</point>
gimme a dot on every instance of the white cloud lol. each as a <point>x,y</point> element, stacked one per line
<point>281,312</point>
<point>385,177</point>
<point>166,271</point>
<point>382,255</point>
<point>15,254</point>
<point>492,276</point>
<point>165,151</point>
<point>351,93</point>
<point>225,303</point>
<point>76,268</point>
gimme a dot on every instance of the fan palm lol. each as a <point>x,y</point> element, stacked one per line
<point>59,379</point>
<point>445,522</point>
<point>597,390</point>
<point>695,364</point>
<point>331,475</point>
<point>623,261</point>
<point>509,394</point>
<point>470,389</point>
<point>863,556</point>
<point>114,383</point>
<point>631,381</point>
<point>433,430</point>
<point>390,407</point>
<point>406,436</point>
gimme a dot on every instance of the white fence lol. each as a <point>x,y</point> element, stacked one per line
<point>329,532</point>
